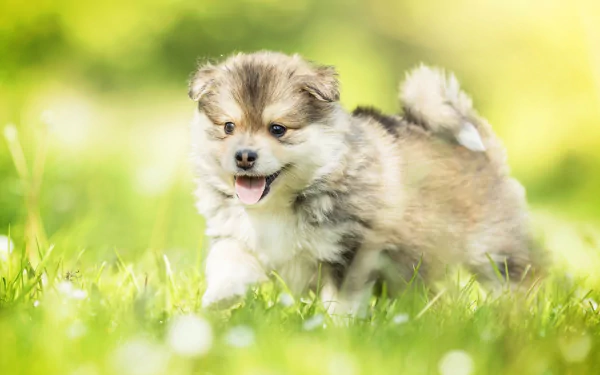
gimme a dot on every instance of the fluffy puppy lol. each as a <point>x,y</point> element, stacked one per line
<point>288,180</point>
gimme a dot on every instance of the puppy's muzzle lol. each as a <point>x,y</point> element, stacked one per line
<point>245,159</point>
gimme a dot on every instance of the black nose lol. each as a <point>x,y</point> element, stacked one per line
<point>245,158</point>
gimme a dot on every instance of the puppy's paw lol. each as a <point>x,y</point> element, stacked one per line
<point>354,306</point>
<point>229,272</point>
<point>223,294</point>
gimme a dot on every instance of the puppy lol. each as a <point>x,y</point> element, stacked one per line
<point>288,181</point>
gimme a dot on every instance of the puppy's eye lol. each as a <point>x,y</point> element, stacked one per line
<point>277,130</point>
<point>229,127</point>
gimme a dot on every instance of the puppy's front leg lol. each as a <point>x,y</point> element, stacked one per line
<point>230,270</point>
<point>357,285</point>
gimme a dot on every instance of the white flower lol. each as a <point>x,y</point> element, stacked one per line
<point>140,357</point>
<point>240,337</point>
<point>575,349</point>
<point>6,247</point>
<point>314,322</point>
<point>79,294</point>
<point>456,362</point>
<point>66,289</point>
<point>190,335</point>
<point>401,319</point>
<point>286,300</point>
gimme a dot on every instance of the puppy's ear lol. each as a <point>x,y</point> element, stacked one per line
<point>202,81</point>
<point>322,84</point>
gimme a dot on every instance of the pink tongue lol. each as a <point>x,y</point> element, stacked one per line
<point>250,189</point>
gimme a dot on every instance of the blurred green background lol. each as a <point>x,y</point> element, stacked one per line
<point>102,86</point>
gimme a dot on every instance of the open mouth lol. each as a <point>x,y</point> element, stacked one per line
<point>251,189</point>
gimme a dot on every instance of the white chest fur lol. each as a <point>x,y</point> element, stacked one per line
<point>274,237</point>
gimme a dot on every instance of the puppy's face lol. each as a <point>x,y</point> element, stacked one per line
<point>266,123</point>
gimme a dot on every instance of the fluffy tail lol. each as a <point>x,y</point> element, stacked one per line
<point>434,100</point>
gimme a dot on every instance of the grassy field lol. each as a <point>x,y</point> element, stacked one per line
<point>71,316</point>
<point>101,248</point>
<point>116,288</point>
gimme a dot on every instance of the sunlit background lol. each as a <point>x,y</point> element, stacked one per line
<point>98,94</point>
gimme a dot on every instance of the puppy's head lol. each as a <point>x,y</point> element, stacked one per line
<point>266,124</point>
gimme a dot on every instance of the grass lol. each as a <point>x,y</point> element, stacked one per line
<point>69,317</point>
<point>114,285</point>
